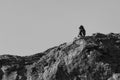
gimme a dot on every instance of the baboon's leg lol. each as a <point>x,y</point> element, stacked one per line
<point>81,33</point>
<point>84,33</point>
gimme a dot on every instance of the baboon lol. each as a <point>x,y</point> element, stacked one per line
<point>82,32</point>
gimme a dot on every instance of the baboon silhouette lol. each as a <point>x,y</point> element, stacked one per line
<point>82,31</point>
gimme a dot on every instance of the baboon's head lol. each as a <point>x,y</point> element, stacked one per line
<point>81,27</point>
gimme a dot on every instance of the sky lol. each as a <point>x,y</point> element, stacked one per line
<point>32,26</point>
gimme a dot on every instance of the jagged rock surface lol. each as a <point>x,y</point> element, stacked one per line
<point>95,57</point>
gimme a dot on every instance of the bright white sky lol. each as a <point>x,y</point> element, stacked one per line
<point>31,26</point>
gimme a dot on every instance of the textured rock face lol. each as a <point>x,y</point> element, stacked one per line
<point>95,57</point>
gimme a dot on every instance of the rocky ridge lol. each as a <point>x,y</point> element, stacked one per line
<point>95,57</point>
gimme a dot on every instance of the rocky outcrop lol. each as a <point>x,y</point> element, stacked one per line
<point>93,57</point>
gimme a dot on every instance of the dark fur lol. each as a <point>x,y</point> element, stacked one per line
<point>82,32</point>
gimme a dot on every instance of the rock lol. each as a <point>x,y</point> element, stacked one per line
<point>115,76</point>
<point>95,57</point>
